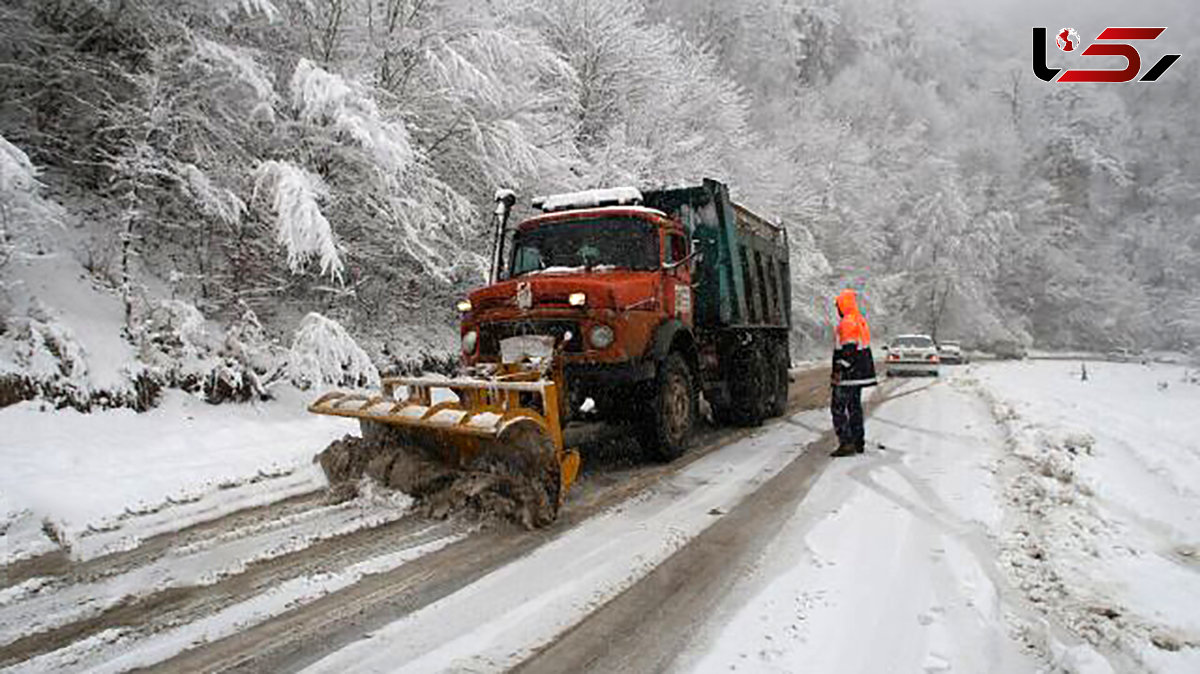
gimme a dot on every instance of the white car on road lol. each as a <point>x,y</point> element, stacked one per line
<point>913,354</point>
<point>951,353</point>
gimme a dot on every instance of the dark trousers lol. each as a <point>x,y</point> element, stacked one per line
<point>848,414</point>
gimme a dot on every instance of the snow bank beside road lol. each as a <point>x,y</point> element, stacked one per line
<point>1065,537</point>
<point>104,481</point>
<point>885,566</point>
<point>1102,479</point>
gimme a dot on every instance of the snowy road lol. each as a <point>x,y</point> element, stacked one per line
<point>1004,520</point>
<point>887,565</point>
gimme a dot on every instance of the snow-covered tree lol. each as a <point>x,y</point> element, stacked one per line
<point>322,98</point>
<point>340,155</point>
<point>25,216</point>
<point>324,353</point>
<point>294,195</point>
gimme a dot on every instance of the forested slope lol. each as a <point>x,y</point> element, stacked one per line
<point>338,156</point>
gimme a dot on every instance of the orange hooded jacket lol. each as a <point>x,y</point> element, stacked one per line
<point>852,328</point>
<point>852,357</point>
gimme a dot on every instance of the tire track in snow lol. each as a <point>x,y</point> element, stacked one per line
<point>645,627</point>
<point>57,568</point>
<point>978,541</point>
<point>300,637</point>
<point>198,575</point>
<point>120,653</point>
<point>342,615</point>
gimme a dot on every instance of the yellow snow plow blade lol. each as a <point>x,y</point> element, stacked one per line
<point>513,418</point>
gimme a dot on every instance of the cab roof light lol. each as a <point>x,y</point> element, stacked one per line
<point>612,196</point>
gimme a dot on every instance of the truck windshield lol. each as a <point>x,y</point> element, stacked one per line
<point>624,243</point>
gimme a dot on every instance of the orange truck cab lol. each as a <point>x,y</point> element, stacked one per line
<point>651,299</point>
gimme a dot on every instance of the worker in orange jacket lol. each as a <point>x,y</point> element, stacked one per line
<point>853,370</point>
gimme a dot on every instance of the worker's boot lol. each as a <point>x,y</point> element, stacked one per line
<point>860,446</point>
<point>844,449</point>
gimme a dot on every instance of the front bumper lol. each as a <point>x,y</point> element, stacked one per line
<point>589,376</point>
<point>912,367</point>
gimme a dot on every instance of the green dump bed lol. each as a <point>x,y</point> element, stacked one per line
<point>742,277</point>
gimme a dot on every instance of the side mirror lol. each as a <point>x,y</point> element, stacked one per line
<point>672,266</point>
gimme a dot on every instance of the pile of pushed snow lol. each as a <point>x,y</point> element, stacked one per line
<point>323,353</point>
<point>1103,504</point>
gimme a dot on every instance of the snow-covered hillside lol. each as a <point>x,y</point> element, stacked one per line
<point>214,211</point>
<point>284,156</point>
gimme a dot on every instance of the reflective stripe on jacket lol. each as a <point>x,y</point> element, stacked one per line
<point>852,357</point>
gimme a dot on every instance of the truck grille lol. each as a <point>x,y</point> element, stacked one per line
<point>490,334</point>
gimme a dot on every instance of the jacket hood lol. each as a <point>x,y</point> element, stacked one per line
<point>847,302</point>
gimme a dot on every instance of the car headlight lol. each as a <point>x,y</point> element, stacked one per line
<point>601,336</point>
<point>577,299</point>
<point>469,341</point>
<point>464,305</point>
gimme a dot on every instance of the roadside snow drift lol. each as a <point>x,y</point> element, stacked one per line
<point>1102,481</point>
<point>1016,519</point>
<point>104,481</point>
<point>886,565</point>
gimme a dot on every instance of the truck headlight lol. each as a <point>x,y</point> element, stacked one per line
<point>469,341</point>
<point>464,305</point>
<point>577,299</point>
<point>601,337</point>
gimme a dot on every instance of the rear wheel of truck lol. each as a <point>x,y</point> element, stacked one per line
<point>779,379</point>
<point>750,386</point>
<point>668,428</point>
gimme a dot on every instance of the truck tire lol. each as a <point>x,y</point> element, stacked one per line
<point>780,362</point>
<point>750,386</point>
<point>666,430</point>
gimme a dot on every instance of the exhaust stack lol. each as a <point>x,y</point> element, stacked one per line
<point>505,199</point>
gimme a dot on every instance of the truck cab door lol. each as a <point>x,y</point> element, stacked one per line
<point>678,281</point>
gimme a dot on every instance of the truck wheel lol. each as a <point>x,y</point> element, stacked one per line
<point>779,371</point>
<point>668,428</point>
<point>750,386</point>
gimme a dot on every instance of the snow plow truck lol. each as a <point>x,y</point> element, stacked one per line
<point>640,301</point>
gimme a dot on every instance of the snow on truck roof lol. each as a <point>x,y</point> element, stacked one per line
<point>611,196</point>
<point>569,214</point>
